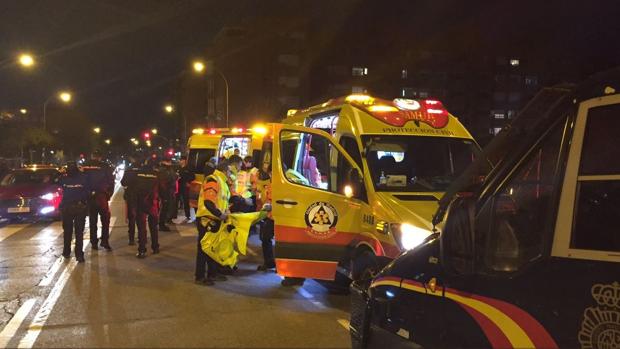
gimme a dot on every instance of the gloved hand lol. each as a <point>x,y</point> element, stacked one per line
<point>266,207</point>
<point>224,215</point>
<point>248,201</point>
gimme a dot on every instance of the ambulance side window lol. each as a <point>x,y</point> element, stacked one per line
<point>521,210</point>
<point>350,145</point>
<point>597,204</point>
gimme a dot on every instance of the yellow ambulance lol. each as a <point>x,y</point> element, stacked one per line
<point>205,144</point>
<point>356,181</point>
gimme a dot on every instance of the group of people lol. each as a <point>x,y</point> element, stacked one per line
<point>86,192</point>
<point>231,185</point>
<point>153,192</point>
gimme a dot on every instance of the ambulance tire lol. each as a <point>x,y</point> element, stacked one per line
<point>363,267</point>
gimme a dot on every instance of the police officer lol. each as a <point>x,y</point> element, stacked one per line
<point>74,207</point>
<point>168,177</point>
<point>147,189</point>
<point>212,211</point>
<point>185,179</point>
<point>128,181</point>
<point>101,183</point>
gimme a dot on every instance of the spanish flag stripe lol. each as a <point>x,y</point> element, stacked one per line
<point>494,334</point>
<point>516,335</point>
<point>386,281</point>
<point>530,325</point>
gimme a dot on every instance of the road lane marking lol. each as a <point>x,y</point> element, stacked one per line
<point>11,328</point>
<point>307,295</point>
<point>51,232</point>
<point>251,252</point>
<point>344,323</point>
<point>46,309</point>
<point>6,232</point>
<point>49,276</point>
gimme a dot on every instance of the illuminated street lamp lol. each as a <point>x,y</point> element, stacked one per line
<point>154,131</point>
<point>97,130</point>
<point>63,96</point>
<point>23,111</point>
<point>108,141</point>
<point>169,108</point>
<point>132,139</point>
<point>199,68</point>
<point>26,60</point>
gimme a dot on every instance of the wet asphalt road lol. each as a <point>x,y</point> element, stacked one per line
<point>116,300</point>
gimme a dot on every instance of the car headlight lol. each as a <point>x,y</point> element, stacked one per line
<point>49,196</point>
<point>409,236</point>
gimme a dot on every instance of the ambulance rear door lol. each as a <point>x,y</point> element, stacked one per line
<point>317,197</point>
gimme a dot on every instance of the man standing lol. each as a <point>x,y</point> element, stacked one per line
<point>74,207</point>
<point>128,181</point>
<point>101,183</point>
<point>185,179</point>
<point>148,187</point>
<point>263,197</point>
<point>169,180</point>
<point>211,213</point>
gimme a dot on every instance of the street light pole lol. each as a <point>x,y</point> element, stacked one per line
<point>226,85</point>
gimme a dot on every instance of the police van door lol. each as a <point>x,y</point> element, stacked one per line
<point>316,203</point>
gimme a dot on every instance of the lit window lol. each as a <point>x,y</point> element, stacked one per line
<point>514,62</point>
<point>403,75</point>
<point>359,71</point>
<point>498,114</point>
<point>531,80</point>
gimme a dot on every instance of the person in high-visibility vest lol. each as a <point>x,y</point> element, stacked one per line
<point>240,186</point>
<point>212,211</point>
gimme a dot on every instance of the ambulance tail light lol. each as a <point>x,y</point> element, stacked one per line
<point>409,236</point>
<point>212,131</point>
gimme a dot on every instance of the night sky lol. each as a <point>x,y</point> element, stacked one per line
<point>121,58</point>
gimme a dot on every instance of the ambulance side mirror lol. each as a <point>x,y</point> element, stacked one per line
<point>457,237</point>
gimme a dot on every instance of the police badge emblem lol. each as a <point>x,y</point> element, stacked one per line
<point>600,328</point>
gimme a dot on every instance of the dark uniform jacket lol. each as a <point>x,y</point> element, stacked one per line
<point>128,181</point>
<point>147,188</point>
<point>185,177</point>
<point>75,190</point>
<point>100,177</point>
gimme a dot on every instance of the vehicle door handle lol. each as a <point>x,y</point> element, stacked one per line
<point>286,202</point>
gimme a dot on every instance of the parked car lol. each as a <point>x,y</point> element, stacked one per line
<point>30,193</point>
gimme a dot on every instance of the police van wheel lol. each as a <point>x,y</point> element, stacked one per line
<point>364,267</point>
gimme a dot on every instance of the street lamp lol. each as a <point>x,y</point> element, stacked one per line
<point>154,131</point>
<point>63,96</point>
<point>199,68</point>
<point>169,108</point>
<point>26,60</point>
<point>23,111</point>
<point>108,141</point>
<point>97,130</point>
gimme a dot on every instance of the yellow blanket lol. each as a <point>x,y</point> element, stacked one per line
<point>232,238</point>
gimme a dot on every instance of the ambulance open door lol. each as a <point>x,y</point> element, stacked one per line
<point>317,193</point>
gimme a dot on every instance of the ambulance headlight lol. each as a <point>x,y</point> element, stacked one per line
<point>409,236</point>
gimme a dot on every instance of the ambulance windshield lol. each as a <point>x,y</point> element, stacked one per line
<point>417,163</point>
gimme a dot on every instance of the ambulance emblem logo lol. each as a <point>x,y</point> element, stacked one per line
<point>600,328</point>
<point>321,218</point>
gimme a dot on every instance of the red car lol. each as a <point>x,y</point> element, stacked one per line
<point>30,193</point>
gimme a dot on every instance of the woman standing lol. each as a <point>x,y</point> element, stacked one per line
<point>74,207</point>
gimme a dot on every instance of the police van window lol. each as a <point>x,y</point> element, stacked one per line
<point>197,158</point>
<point>597,204</point>
<point>350,145</point>
<point>521,211</point>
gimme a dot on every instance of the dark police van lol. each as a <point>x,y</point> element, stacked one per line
<point>526,254</point>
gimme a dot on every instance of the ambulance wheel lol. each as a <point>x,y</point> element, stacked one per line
<point>364,267</point>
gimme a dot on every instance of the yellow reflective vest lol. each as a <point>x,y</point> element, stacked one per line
<point>214,189</point>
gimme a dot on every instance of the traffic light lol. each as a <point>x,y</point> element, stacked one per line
<point>147,135</point>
